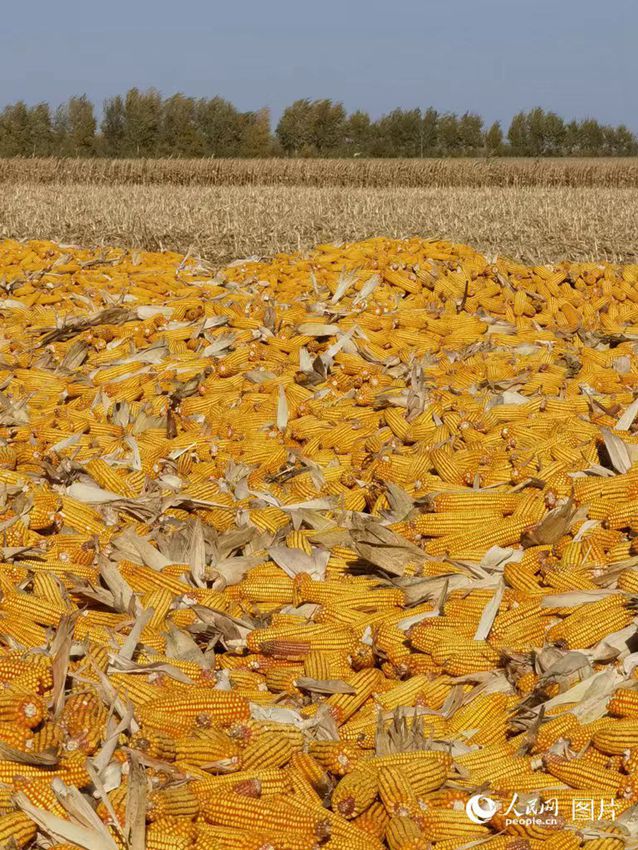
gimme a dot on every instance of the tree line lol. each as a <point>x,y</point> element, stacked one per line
<point>145,124</point>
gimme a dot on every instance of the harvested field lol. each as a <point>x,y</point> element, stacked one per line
<point>222,223</point>
<point>310,552</point>
<point>610,172</point>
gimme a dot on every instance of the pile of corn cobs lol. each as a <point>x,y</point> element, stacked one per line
<point>335,550</point>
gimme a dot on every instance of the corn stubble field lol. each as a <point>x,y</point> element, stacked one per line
<point>612,172</point>
<point>307,552</point>
<point>533,210</point>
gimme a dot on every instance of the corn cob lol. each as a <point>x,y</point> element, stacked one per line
<point>16,829</point>
<point>202,707</point>
<point>213,443</point>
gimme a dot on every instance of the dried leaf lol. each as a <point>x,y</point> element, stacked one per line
<point>197,554</point>
<point>282,409</point>
<point>627,419</point>
<point>295,561</point>
<point>551,528</point>
<point>489,613</point>
<point>91,494</point>
<point>60,654</point>
<point>383,548</point>
<point>401,505</point>
<point>229,627</point>
<point>317,329</point>
<point>495,559</point>
<point>324,686</point>
<point>102,791</point>
<point>61,830</point>
<point>129,646</point>
<point>123,598</point>
<point>574,598</point>
<point>617,451</point>
<point>102,760</point>
<point>614,645</point>
<point>343,285</point>
<point>367,289</point>
<point>45,758</point>
<point>276,714</point>
<point>181,646</point>
<point>135,826</point>
<point>134,548</point>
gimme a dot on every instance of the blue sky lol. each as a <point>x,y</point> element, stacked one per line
<point>577,57</point>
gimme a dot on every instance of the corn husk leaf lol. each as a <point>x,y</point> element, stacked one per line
<point>197,554</point>
<point>60,654</point>
<point>230,628</point>
<point>181,646</point>
<point>489,613</point>
<point>282,409</point>
<point>617,451</point>
<point>324,686</point>
<point>102,791</point>
<point>343,285</point>
<point>574,598</point>
<point>295,561</point>
<point>276,714</point>
<point>229,571</point>
<point>46,758</point>
<point>63,831</point>
<point>497,557</point>
<point>102,760</point>
<point>401,505</point>
<point>367,289</point>
<point>591,695</point>
<point>551,528</point>
<point>613,645</point>
<point>627,419</point>
<point>383,548</point>
<point>125,654</point>
<point>318,329</point>
<point>122,597</point>
<point>135,825</point>
<point>132,547</point>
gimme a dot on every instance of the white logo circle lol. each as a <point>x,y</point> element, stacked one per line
<point>480,809</point>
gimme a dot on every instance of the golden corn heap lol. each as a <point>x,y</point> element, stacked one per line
<point>310,552</point>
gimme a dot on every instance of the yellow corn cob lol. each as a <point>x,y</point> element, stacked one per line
<point>447,824</point>
<point>586,627</point>
<point>155,744</point>
<point>578,774</point>
<point>21,709</point>
<point>373,821</point>
<point>207,748</point>
<point>268,750</point>
<point>175,802</point>
<point>308,767</point>
<point>355,793</point>
<point>201,706</point>
<point>343,706</point>
<point>624,703</point>
<point>396,791</point>
<point>617,737</point>
<point>43,512</point>
<point>16,829</point>
<point>403,832</point>
<point>108,478</point>
<point>337,757</point>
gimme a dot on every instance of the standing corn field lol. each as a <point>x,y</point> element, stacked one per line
<point>311,552</point>
<point>602,172</point>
